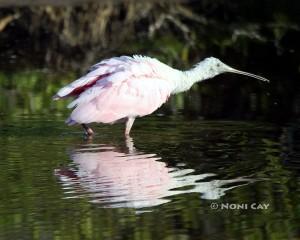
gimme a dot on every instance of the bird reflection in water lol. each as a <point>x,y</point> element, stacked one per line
<point>115,178</point>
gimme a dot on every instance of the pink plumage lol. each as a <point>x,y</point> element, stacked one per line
<point>118,88</point>
<point>129,87</point>
<point>131,97</point>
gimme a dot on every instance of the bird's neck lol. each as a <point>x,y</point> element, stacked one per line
<point>187,78</point>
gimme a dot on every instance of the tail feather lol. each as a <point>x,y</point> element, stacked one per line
<point>71,122</point>
<point>56,97</point>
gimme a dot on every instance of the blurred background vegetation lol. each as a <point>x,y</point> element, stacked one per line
<point>45,44</point>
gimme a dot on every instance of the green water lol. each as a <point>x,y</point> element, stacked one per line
<point>160,184</point>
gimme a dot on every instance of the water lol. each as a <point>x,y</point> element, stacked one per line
<point>159,184</point>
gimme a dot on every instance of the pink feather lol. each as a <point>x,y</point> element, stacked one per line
<point>117,88</point>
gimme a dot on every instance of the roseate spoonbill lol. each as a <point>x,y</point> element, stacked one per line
<point>128,87</point>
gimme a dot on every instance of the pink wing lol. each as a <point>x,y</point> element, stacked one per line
<point>96,73</point>
<point>133,97</point>
<point>133,88</point>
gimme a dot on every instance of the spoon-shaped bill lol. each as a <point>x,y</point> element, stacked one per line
<point>249,75</point>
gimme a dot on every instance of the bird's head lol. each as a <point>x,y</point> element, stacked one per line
<point>215,67</point>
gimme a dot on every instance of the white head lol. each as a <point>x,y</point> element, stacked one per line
<point>214,67</point>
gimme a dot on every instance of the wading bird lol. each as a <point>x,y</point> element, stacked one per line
<point>124,88</point>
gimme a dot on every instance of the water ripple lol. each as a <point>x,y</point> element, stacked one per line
<point>114,177</point>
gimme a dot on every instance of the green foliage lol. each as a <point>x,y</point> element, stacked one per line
<point>30,92</point>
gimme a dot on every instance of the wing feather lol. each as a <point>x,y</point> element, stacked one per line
<point>96,73</point>
<point>117,88</point>
<point>133,97</point>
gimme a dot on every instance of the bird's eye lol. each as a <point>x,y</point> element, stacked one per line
<point>218,64</point>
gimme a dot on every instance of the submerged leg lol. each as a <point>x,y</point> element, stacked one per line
<point>129,144</point>
<point>129,124</point>
<point>87,130</point>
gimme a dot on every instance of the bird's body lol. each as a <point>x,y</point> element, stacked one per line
<point>129,87</point>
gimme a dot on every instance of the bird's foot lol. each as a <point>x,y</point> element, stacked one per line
<point>129,144</point>
<point>88,136</point>
<point>88,132</point>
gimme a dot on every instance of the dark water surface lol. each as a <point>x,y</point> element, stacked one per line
<point>160,184</point>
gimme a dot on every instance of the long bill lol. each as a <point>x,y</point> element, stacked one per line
<point>249,75</point>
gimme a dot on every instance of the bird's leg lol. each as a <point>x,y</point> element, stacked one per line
<point>130,144</point>
<point>129,124</point>
<point>87,130</point>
